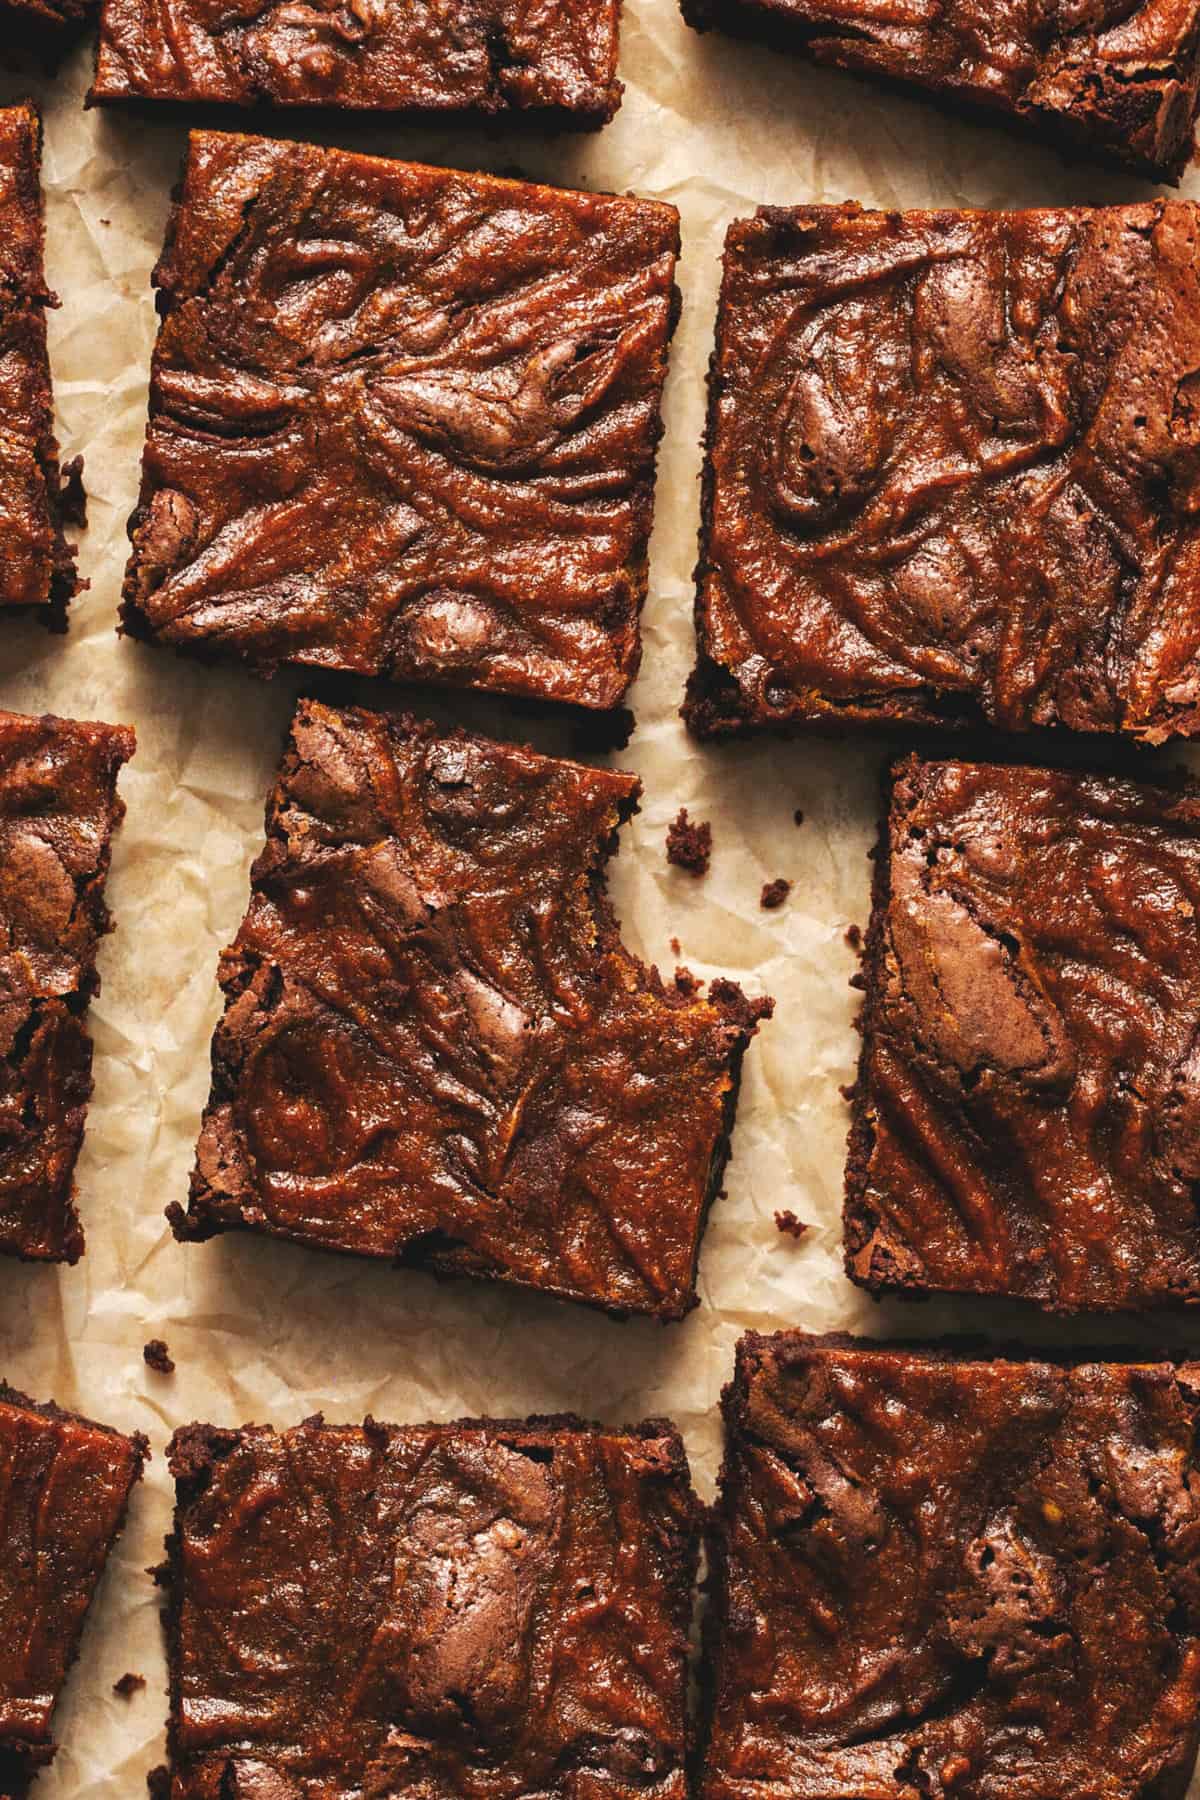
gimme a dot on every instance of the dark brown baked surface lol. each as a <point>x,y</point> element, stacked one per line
<point>940,1576</point>
<point>403,421</point>
<point>435,1046</point>
<point>1114,78</point>
<point>952,472</point>
<point>64,1489</point>
<point>488,1610</point>
<point>1027,1112</point>
<point>37,567</point>
<point>557,60</point>
<point>58,811</point>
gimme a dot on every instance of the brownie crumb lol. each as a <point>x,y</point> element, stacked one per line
<point>787,1222</point>
<point>686,983</point>
<point>675,947</point>
<point>72,498</point>
<point>798,815</point>
<point>156,1356</point>
<point>689,846</point>
<point>158,1782</point>
<point>858,981</point>
<point>853,936</point>
<point>848,1089</point>
<point>774,893</point>
<point>129,1684</point>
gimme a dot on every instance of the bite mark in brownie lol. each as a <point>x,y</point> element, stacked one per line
<point>940,1575</point>
<point>477,1611</point>
<point>1027,1112</point>
<point>403,422</point>
<point>58,811</point>
<point>65,1484</point>
<point>435,1046</point>
<point>951,474</point>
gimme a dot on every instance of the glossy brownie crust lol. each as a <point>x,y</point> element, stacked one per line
<point>558,61</point>
<point>481,1611</point>
<point>1116,78</point>
<point>37,566</point>
<point>435,1047</point>
<point>953,461</point>
<point>403,421</point>
<point>58,811</point>
<point>64,1489</point>
<point>1027,1112</point>
<point>940,1576</point>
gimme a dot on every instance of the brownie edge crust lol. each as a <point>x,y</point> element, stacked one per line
<point>939,1575</point>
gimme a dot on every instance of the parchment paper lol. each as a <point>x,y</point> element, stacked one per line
<point>263,1331</point>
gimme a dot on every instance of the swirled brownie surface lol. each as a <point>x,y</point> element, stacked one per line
<point>1117,78</point>
<point>953,468</point>
<point>479,1611</point>
<point>64,1488</point>
<point>556,59</point>
<point>945,1577</point>
<point>436,1047</point>
<point>403,421</point>
<point>58,811</point>
<point>1027,1113</point>
<point>37,566</point>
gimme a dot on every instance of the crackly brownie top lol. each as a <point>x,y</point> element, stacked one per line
<point>435,1042</point>
<point>58,810</point>
<point>943,1577</point>
<point>488,55</point>
<point>1030,1086</point>
<point>64,1485</point>
<point>483,1611</point>
<point>954,468</point>
<point>403,420</point>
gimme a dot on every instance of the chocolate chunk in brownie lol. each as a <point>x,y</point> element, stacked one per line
<point>1117,79</point>
<point>58,811</point>
<point>435,1046</point>
<point>689,843</point>
<point>1027,1114</point>
<point>939,1575</point>
<point>476,1611</point>
<point>64,1489</point>
<point>403,422</point>
<point>952,469</point>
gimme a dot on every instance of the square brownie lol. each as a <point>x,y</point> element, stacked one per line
<point>64,1490</point>
<point>556,61</point>
<point>403,421</point>
<point>488,1610</point>
<point>436,1047</point>
<point>953,472</point>
<point>939,1575</point>
<point>58,811</point>
<point>37,566</point>
<point>1117,79</point>
<point>1027,1112</point>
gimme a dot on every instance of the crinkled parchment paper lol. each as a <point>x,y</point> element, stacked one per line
<point>265,1331</point>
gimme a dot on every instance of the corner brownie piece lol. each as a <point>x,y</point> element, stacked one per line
<point>64,1489</point>
<point>937,1575</point>
<point>58,811</point>
<point>557,61</point>
<point>480,1611</point>
<point>403,422</point>
<point>435,1046</point>
<point>952,473</point>
<point>37,567</point>
<point>1027,1111</point>
<point>1116,78</point>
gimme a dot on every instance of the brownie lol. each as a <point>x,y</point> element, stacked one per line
<point>58,811</point>
<point>64,1489</point>
<point>488,1610</point>
<point>435,1046</point>
<point>940,1575</point>
<point>37,566</point>
<point>952,473</point>
<point>403,422</point>
<point>1116,79</point>
<point>557,60</point>
<point>1027,1111</point>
